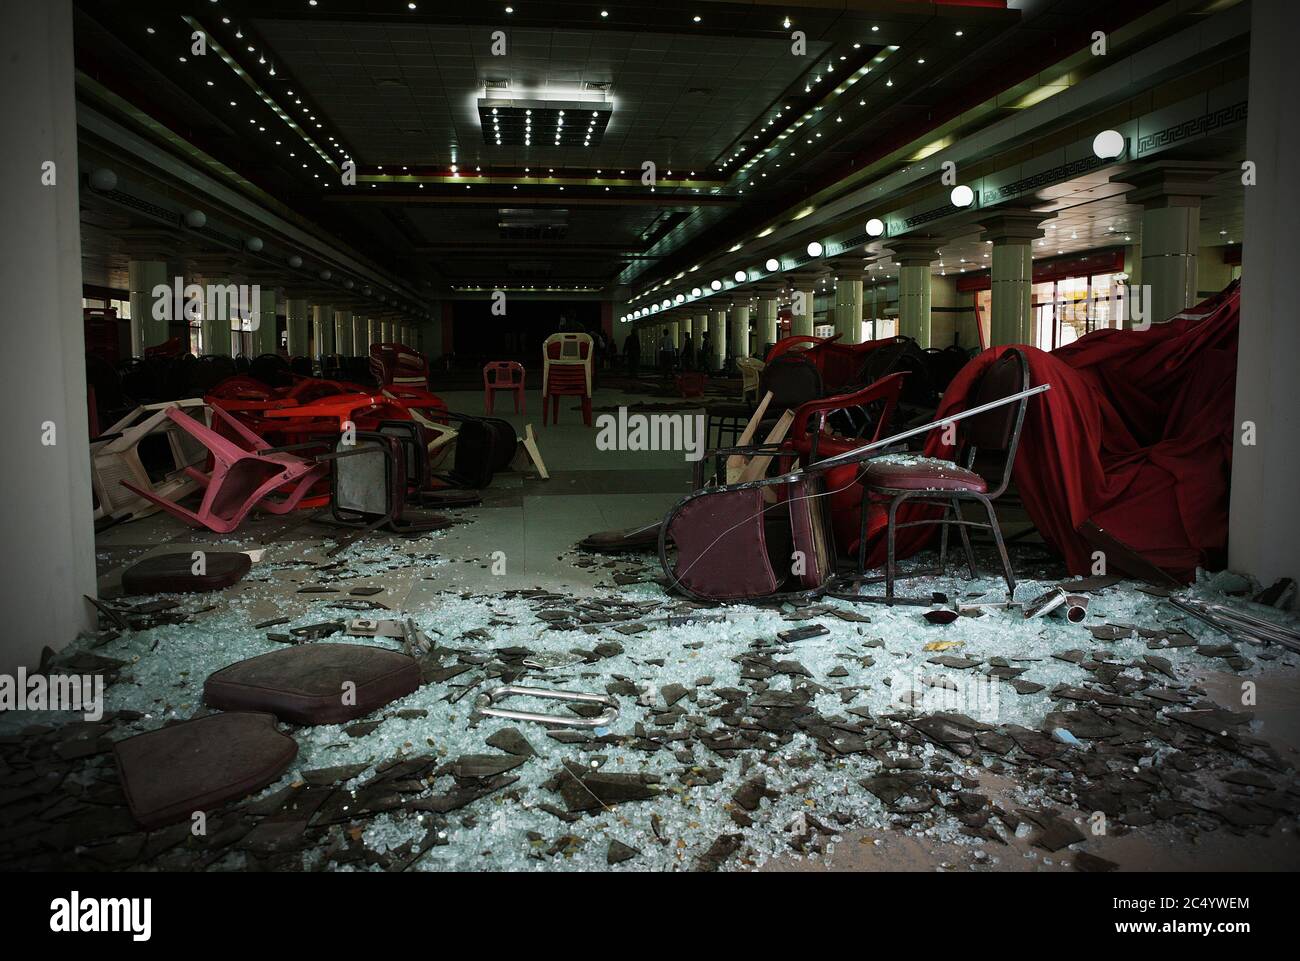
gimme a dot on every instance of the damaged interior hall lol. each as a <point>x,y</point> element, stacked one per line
<point>560,436</point>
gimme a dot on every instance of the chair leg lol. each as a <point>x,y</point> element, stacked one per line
<point>1002,548</point>
<point>965,539</point>
<point>586,411</point>
<point>890,534</point>
<point>864,513</point>
<point>487,400</point>
<point>943,542</point>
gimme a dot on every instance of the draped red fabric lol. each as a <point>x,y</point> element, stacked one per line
<point>1135,436</point>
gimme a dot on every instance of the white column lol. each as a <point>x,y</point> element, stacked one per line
<point>360,336</point>
<point>343,332</point>
<point>217,329</point>
<point>265,338</point>
<point>142,277</point>
<point>322,324</point>
<point>738,331</point>
<point>49,544</point>
<point>296,312</point>
<point>718,340</point>
<point>1265,514</point>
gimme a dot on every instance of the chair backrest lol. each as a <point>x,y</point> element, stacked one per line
<point>793,380</point>
<point>566,349</point>
<point>399,364</point>
<point>903,355</point>
<point>503,373</point>
<point>998,431</point>
<point>750,370</point>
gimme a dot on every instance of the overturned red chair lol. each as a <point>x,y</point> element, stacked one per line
<point>566,372</point>
<point>507,376</point>
<point>732,543</point>
<point>243,477</point>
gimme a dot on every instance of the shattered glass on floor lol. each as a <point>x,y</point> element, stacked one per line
<point>1007,740</point>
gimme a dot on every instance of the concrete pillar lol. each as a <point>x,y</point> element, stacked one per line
<point>1265,514</point>
<point>846,312</point>
<point>49,543</point>
<point>1170,194</point>
<point>738,332</point>
<point>322,328</point>
<point>803,301</point>
<point>914,257</point>
<point>343,332</point>
<point>765,323</point>
<point>219,321</point>
<point>214,273</point>
<point>717,340</point>
<point>296,314</point>
<point>675,333</point>
<point>146,329</point>
<point>360,336</point>
<point>375,328</point>
<point>1013,233</point>
<point>266,340</point>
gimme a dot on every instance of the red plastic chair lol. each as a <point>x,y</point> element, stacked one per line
<point>691,384</point>
<point>566,372</point>
<point>241,478</point>
<point>507,375</point>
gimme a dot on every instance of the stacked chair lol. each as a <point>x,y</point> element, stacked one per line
<point>566,372</point>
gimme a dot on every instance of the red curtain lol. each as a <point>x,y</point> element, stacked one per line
<point>1135,436</point>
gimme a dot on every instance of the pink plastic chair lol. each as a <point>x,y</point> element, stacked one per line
<point>507,375</point>
<point>244,475</point>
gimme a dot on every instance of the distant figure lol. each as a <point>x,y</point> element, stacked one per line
<point>688,352</point>
<point>599,349</point>
<point>667,354</point>
<point>706,353</point>
<point>632,353</point>
<point>611,353</point>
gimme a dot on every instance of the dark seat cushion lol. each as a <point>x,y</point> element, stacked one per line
<point>174,573</point>
<point>917,474</point>
<point>305,685</point>
<point>198,765</point>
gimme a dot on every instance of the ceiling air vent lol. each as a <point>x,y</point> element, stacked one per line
<point>497,83</point>
<point>602,85</point>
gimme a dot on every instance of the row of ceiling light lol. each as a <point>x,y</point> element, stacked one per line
<point>1107,145</point>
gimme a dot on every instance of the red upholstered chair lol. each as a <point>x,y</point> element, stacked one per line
<point>566,372</point>
<point>731,543</point>
<point>397,364</point>
<point>865,417</point>
<point>504,375</point>
<point>982,472</point>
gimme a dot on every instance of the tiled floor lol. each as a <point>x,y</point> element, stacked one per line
<point>522,537</point>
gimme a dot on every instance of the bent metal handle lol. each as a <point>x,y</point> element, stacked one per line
<point>576,697</point>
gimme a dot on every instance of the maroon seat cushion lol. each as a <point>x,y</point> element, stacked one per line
<point>923,473</point>
<point>198,765</point>
<point>306,684</point>
<point>722,545</point>
<point>174,573</point>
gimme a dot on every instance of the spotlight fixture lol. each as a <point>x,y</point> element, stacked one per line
<point>510,122</point>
